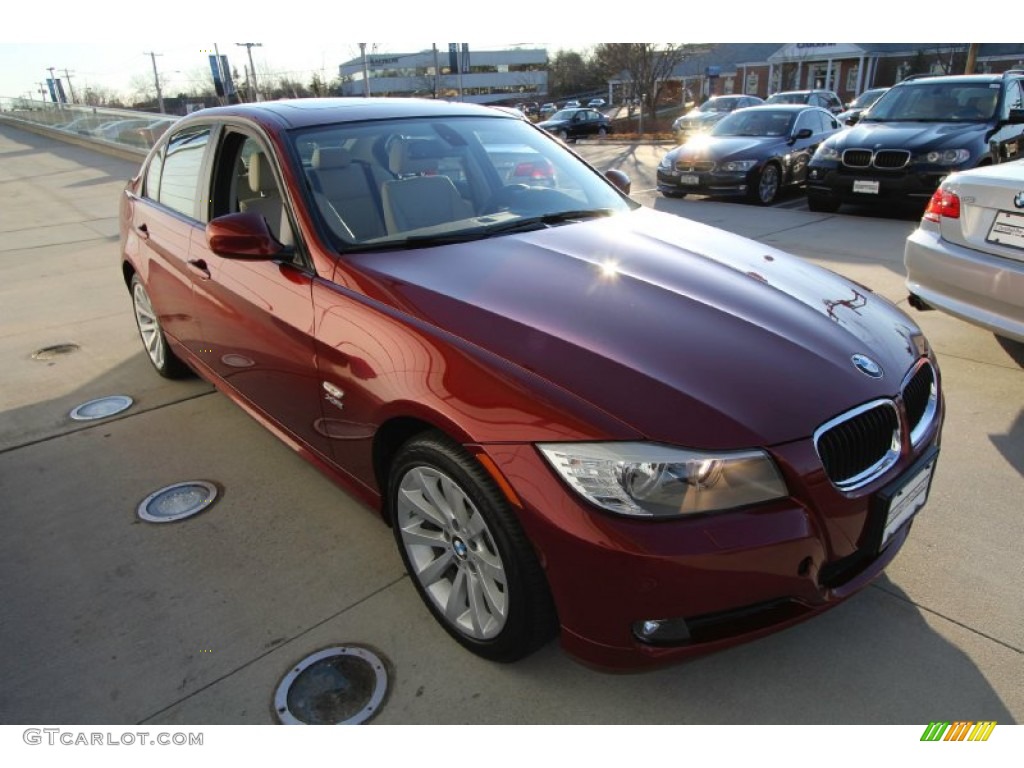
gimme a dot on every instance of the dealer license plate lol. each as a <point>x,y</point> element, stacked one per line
<point>865,186</point>
<point>689,178</point>
<point>906,502</point>
<point>1007,229</point>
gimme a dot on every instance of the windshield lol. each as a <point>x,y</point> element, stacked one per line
<point>950,102</point>
<point>867,98</point>
<point>718,105</point>
<point>755,122</point>
<point>415,182</point>
<point>788,98</point>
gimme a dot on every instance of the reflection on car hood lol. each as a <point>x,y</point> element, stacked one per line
<point>722,147</point>
<point>690,335</point>
<point>914,136</point>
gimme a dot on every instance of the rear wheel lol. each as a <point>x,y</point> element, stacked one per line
<point>167,364</point>
<point>465,551</point>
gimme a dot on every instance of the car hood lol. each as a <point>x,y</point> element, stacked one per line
<point>552,123</point>
<point>726,147</point>
<point>914,136</point>
<point>688,334</point>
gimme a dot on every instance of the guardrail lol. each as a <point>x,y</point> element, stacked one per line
<point>130,133</point>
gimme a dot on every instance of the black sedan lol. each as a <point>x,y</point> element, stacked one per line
<point>577,124</point>
<point>752,152</point>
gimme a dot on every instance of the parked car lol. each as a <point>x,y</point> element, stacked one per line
<point>916,134</point>
<point>855,108</point>
<point>572,104</point>
<point>596,103</point>
<point>571,124</point>
<point>549,108</point>
<point>701,119</point>
<point>816,98</point>
<point>967,256</point>
<point>505,373</point>
<point>753,152</point>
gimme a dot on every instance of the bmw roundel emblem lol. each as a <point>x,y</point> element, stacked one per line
<point>867,366</point>
<point>1019,200</point>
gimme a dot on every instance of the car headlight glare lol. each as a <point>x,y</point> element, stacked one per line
<point>948,157</point>
<point>826,153</point>
<point>657,481</point>
<point>738,165</point>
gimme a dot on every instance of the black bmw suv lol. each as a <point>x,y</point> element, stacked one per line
<point>916,134</point>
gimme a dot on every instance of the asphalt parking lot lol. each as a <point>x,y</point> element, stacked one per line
<point>108,619</point>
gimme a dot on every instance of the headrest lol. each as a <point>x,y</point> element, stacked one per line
<point>261,177</point>
<point>416,156</point>
<point>326,158</point>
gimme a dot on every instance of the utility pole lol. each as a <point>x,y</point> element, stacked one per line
<point>972,58</point>
<point>42,91</point>
<point>67,75</point>
<point>252,67</point>
<point>156,79</point>
<point>366,74</point>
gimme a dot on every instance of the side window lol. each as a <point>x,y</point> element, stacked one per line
<point>806,120</point>
<point>1014,98</point>
<point>152,187</point>
<point>179,181</point>
<point>244,182</point>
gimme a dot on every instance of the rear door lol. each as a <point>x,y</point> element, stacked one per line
<point>165,217</point>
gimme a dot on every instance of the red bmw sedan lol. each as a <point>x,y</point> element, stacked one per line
<point>578,415</point>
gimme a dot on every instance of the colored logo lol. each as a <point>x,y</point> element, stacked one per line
<point>959,731</point>
<point>1019,200</point>
<point>867,366</point>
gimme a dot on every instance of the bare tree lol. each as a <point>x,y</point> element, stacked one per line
<point>647,65</point>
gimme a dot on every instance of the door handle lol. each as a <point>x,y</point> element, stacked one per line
<point>143,231</point>
<point>199,265</point>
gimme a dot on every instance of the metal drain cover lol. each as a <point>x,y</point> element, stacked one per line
<point>101,408</point>
<point>178,501</point>
<point>336,686</point>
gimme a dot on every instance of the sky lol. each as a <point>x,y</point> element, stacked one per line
<point>105,43</point>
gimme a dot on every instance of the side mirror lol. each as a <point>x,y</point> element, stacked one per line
<point>853,119</point>
<point>1016,117</point>
<point>803,133</point>
<point>619,179</point>
<point>242,236</point>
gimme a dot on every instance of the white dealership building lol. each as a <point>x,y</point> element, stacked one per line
<point>486,76</point>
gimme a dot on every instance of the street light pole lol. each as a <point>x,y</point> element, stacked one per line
<point>252,67</point>
<point>366,74</point>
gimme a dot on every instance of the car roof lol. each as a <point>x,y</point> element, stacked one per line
<point>782,108</point>
<point>984,78</point>
<point>301,113</point>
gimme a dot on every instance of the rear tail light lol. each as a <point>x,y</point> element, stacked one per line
<point>943,204</point>
<point>534,170</point>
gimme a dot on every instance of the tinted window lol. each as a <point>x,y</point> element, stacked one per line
<point>179,182</point>
<point>1014,98</point>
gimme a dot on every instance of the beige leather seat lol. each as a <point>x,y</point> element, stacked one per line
<point>421,197</point>
<point>267,201</point>
<point>353,189</point>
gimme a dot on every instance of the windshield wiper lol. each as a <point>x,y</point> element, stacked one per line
<point>546,220</point>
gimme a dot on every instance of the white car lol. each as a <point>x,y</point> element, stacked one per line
<point>967,256</point>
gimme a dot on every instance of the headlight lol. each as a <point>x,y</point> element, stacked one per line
<point>656,481</point>
<point>737,165</point>
<point>826,153</point>
<point>946,157</point>
<point>666,162</point>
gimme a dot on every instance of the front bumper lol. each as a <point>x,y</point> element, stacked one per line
<point>732,576</point>
<point>705,183</point>
<point>834,182</point>
<point>980,288</point>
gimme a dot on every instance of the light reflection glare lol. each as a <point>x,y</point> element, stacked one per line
<point>609,269</point>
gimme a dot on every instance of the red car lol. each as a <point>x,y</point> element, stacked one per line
<point>577,414</point>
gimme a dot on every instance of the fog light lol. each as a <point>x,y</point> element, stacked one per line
<point>662,631</point>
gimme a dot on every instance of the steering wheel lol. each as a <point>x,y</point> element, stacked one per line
<point>507,198</point>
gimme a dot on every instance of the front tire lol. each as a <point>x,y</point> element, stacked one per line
<point>166,363</point>
<point>465,551</point>
<point>766,187</point>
